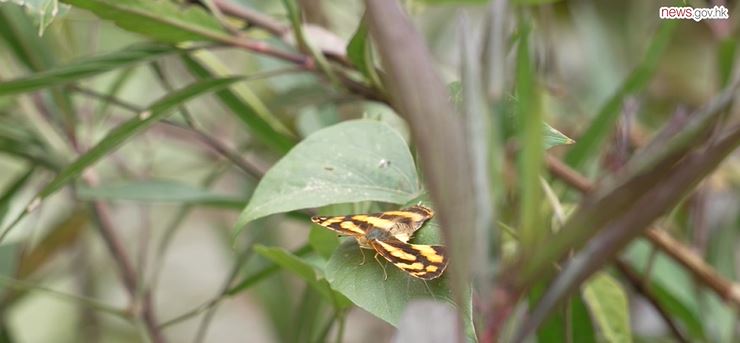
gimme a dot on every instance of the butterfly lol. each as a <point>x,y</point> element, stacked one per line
<point>388,234</point>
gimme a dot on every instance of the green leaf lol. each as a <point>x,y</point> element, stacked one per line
<point>305,271</point>
<point>554,137</point>
<point>162,20</point>
<point>365,286</point>
<point>21,38</point>
<point>84,68</point>
<point>608,305</point>
<point>323,241</point>
<point>8,257</point>
<point>358,160</point>
<point>157,111</point>
<point>8,194</point>
<point>43,12</point>
<point>159,191</point>
<point>361,55</point>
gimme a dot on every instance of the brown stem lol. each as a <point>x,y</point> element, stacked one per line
<point>301,60</point>
<point>101,214</point>
<point>251,17</point>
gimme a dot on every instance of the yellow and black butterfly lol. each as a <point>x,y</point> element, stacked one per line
<point>388,234</point>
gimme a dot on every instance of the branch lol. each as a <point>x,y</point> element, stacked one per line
<point>682,254</point>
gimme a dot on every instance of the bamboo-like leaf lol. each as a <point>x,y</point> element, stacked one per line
<point>157,111</point>
<point>84,68</point>
<point>116,137</point>
<point>161,20</point>
<point>18,32</point>
<point>244,104</point>
<point>8,194</point>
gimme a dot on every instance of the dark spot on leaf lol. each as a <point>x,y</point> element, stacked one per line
<point>329,168</point>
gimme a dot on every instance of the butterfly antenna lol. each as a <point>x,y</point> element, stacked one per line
<point>385,275</point>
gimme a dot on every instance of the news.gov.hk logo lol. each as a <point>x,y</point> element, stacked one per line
<point>696,13</point>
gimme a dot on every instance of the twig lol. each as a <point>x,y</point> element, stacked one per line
<point>280,31</point>
<point>102,216</point>
<point>87,302</point>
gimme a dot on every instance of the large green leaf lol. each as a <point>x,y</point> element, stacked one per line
<point>161,20</point>
<point>358,160</point>
<point>84,68</point>
<point>608,305</point>
<point>159,191</point>
<point>365,286</point>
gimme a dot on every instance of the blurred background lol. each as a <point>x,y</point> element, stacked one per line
<point>173,194</point>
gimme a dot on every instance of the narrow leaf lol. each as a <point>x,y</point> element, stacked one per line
<point>159,191</point>
<point>162,20</point>
<point>589,143</point>
<point>244,104</point>
<point>84,68</point>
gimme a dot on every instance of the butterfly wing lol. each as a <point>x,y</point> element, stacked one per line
<point>400,223</point>
<point>343,225</point>
<point>425,262</point>
<point>407,220</point>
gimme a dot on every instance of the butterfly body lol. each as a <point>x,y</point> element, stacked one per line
<point>388,234</point>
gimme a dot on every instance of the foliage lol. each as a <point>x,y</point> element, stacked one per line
<point>176,150</point>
